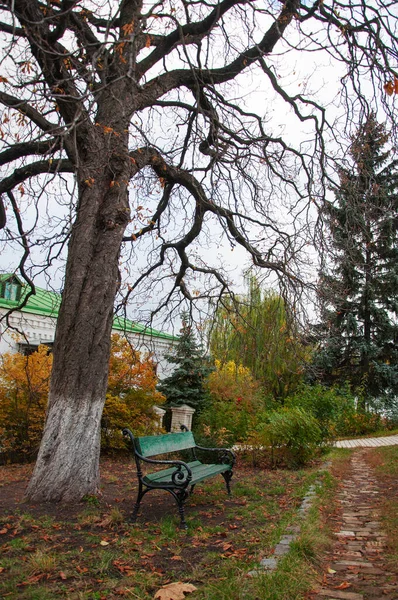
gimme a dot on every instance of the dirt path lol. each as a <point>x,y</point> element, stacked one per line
<point>356,569</point>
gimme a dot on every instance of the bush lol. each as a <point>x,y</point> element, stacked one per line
<point>24,386</point>
<point>293,435</point>
<point>135,408</point>
<point>235,398</point>
<point>131,395</point>
<point>24,383</point>
<point>332,407</point>
<point>362,423</point>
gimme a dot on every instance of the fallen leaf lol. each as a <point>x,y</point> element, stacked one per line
<point>62,575</point>
<point>343,586</point>
<point>227,546</point>
<point>332,571</point>
<point>104,543</point>
<point>174,591</point>
<point>2,531</point>
<point>123,567</point>
<point>81,569</point>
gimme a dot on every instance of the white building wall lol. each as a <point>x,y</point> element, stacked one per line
<point>39,329</point>
<point>25,328</point>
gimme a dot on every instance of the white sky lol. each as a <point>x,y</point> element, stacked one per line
<point>312,74</point>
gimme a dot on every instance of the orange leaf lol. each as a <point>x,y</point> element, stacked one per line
<point>343,586</point>
<point>389,88</point>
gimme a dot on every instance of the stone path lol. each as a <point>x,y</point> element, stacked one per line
<point>391,440</point>
<point>356,569</point>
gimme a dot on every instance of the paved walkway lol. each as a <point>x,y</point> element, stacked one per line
<point>391,440</point>
<point>356,569</point>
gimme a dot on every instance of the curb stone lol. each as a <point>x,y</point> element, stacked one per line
<point>269,564</point>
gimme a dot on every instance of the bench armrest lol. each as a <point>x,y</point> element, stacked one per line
<point>226,456</point>
<point>181,476</point>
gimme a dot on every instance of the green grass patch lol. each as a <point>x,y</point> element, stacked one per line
<point>93,552</point>
<point>373,434</point>
<point>385,460</point>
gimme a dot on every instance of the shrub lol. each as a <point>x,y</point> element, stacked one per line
<point>235,398</point>
<point>330,406</point>
<point>24,383</point>
<point>24,386</point>
<point>292,434</point>
<point>131,394</point>
<point>361,423</point>
<point>134,408</point>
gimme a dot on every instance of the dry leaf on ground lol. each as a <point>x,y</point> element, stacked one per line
<point>343,586</point>
<point>174,591</point>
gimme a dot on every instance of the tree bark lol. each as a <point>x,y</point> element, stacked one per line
<point>67,467</point>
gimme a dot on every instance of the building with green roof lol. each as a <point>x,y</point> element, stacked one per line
<point>33,321</point>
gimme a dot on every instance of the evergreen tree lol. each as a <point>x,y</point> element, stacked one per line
<point>185,384</point>
<point>359,288</point>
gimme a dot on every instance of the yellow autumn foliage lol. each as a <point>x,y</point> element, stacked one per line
<point>235,398</point>
<point>24,387</point>
<point>131,394</point>
<point>233,382</point>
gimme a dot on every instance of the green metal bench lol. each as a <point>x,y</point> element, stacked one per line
<point>179,477</point>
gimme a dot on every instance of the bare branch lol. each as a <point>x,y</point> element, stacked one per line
<point>33,169</point>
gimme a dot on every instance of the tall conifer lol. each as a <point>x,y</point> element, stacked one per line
<point>359,285</point>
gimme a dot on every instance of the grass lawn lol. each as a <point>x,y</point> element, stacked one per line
<point>379,433</point>
<point>89,551</point>
<point>385,461</point>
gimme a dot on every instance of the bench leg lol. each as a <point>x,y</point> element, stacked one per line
<point>180,497</point>
<point>140,495</point>
<point>228,476</point>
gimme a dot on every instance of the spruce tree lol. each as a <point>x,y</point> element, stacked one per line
<point>185,384</point>
<point>359,287</point>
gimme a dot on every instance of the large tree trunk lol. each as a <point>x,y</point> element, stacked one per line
<point>67,467</point>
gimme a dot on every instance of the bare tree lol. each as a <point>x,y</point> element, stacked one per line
<point>143,104</point>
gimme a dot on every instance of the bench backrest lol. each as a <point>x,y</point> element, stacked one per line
<point>162,444</point>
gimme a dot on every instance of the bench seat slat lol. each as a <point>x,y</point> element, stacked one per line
<point>206,471</point>
<point>199,473</point>
<point>165,474</point>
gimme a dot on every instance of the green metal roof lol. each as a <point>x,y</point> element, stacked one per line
<point>47,303</point>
